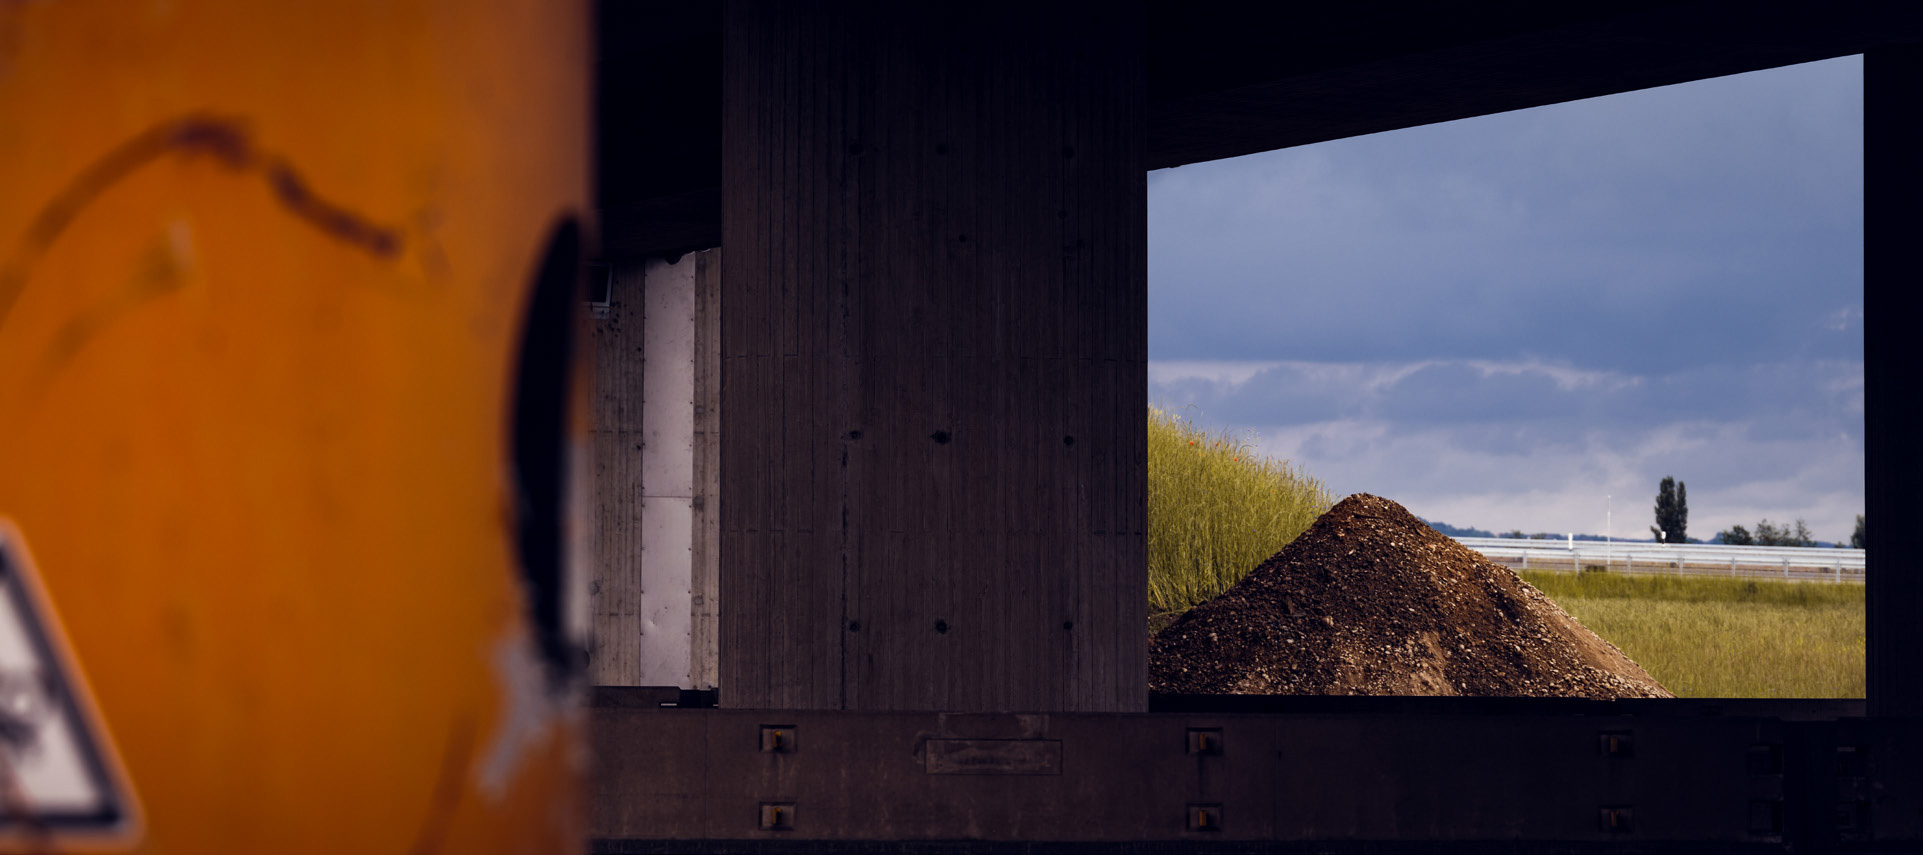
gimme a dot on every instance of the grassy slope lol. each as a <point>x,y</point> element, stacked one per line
<point>1216,510</point>
<point>1724,638</point>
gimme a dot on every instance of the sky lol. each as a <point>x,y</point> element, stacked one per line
<point>1526,320</point>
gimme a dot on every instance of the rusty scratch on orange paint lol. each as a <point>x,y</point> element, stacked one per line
<point>228,142</point>
<point>456,757</point>
<point>76,332</point>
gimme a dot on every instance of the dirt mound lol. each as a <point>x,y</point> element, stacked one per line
<point>1372,601</point>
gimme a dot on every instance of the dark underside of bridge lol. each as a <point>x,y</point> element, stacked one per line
<point>1228,79</point>
<point>932,490</point>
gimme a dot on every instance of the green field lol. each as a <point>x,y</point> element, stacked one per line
<point>1706,637</point>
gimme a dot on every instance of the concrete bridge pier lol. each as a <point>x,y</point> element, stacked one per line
<point>934,357</point>
<point>1893,415</point>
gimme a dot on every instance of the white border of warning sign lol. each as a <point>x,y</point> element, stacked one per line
<point>61,778</point>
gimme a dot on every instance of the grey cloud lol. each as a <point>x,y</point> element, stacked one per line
<point>1457,392</point>
<point>1718,222</point>
<point>1441,473</point>
<point>1528,404</point>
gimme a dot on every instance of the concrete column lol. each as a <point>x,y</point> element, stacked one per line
<point>1893,418</point>
<point>652,595</point>
<point>933,481</point>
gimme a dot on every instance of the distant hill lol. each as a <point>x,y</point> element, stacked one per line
<point>1454,531</point>
<point>1821,544</point>
<point>1461,531</point>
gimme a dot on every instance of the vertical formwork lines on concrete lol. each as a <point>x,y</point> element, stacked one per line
<point>704,633</point>
<point>614,596</point>
<point>927,214</point>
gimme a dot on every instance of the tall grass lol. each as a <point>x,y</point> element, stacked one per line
<point>1216,509</point>
<point>1705,637</point>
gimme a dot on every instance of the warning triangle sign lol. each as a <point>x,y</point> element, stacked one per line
<point>60,778</point>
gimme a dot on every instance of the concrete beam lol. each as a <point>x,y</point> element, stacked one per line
<point>1454,775</point>
<point>1231,78</point>
<point>1226,81</point>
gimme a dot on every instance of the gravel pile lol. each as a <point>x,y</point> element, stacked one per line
<point>1372,601</point>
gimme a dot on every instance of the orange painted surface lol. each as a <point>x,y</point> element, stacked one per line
<point>262,274</point>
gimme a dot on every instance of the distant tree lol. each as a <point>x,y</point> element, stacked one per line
<point>1736,535</point>
<point>1803,537</point>
<point>1672,512</point>
<point>1681,533</point>
<point>1797,534</point>
<point>1517,533</point>
<point>1857,539</point>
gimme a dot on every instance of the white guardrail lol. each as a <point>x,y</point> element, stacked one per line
<point>1782,562</point>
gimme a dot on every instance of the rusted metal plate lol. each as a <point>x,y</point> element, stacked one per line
<point>992,757</point>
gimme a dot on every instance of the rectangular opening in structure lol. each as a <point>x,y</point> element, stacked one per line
<point>1614,345</point>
